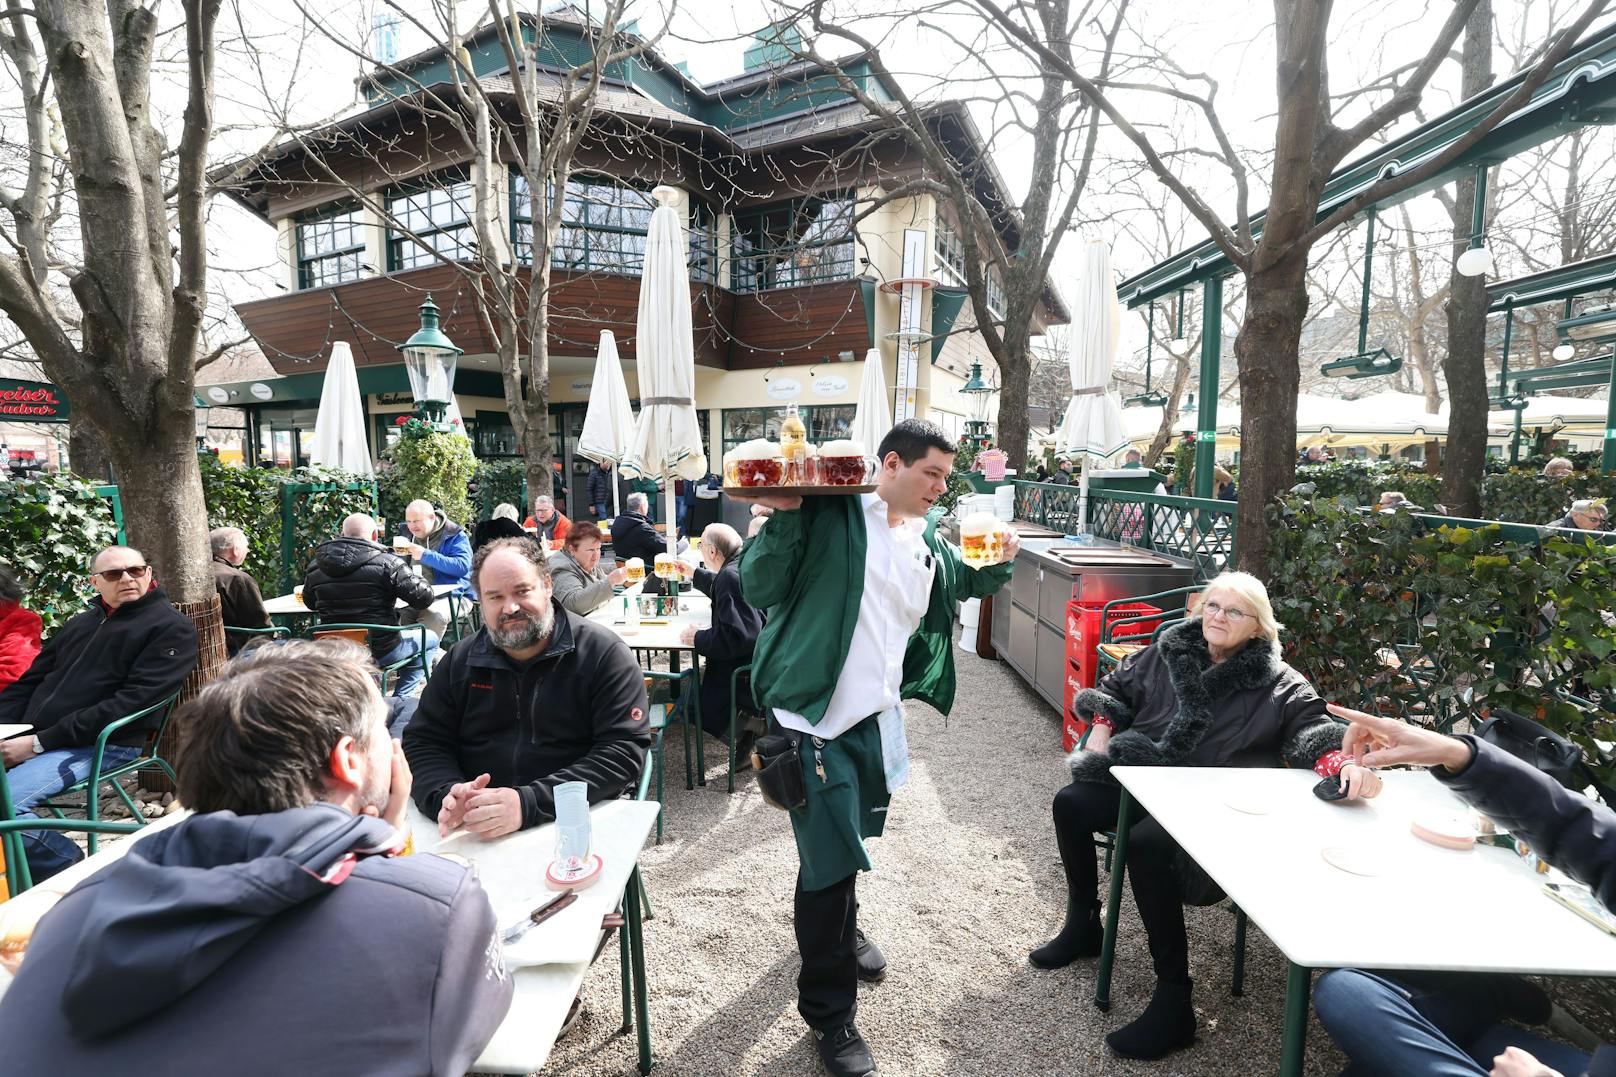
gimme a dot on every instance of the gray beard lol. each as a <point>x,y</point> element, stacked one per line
<point>532,632</point>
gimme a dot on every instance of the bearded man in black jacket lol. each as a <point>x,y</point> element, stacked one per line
<point>129,650</point>
<point>537,697</point>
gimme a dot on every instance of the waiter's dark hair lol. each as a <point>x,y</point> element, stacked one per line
<point>912,439</point>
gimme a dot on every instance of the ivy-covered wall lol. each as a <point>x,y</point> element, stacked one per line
<point>53,525</point>
<point>1518,495</point>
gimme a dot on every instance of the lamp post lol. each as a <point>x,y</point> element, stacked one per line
<point>429,360</point>
<point>976,393</point>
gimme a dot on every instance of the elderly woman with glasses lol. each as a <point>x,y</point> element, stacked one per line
<point>1212,691</point>
<point>728,643</point>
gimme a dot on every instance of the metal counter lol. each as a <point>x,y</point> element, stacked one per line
<point>1029,631</point>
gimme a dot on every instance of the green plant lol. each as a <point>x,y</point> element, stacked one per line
<point>54,525</point>
<point>500,482</point>
<point>430,465</point>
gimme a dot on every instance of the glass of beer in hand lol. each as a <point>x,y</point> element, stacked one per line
<point>667,567</point>
<point>982,540</point>
<point>636,570</point>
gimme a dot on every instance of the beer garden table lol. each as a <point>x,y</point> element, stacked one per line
<point>1424,902</point>
<point>292,606</point>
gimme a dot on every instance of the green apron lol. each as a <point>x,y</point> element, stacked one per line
<point>843,808</point>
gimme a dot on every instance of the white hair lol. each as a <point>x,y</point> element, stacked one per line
<point>505,511</point>
<point>1253,598</point>
<point>637,502</point>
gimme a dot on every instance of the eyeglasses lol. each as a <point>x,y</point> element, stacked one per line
<point>1234,614</point>
<point>113,575</point>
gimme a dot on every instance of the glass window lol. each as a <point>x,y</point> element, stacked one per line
<point>703,244</point>
<point>804,241</point>
<point>438,211</point>
<point>951,266</point>
<point>603,225</point>
<point>825,423</point>
<point>330,247</point>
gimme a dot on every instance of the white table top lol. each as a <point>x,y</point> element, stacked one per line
<point>1428,908</point>
<point>292,606</point>
<point>695,609</point>
<point>8,731</point>
<point>512,872</point>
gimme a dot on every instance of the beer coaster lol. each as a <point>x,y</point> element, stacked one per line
<point>555,880</point>
<point>1354,861</point>
<point>751,493</point>
<point>1247,803</point>
<point>1446,831</point>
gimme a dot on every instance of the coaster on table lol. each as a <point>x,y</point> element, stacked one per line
<point>1447,831</point>
<point>1354,860</point>
<point>1248,803</point>
<point>557,879</point>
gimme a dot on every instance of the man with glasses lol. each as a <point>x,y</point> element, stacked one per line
<point>129,650</point>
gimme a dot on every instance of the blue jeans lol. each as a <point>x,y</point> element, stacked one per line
<point>41,778</point>
<point>1424,1023</point>
<point>409,643</point>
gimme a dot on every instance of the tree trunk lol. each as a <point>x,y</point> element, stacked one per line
<point>1015,376</point>
<point>1465,366</point>
<point>1267,346</point>
<point>87,449</point>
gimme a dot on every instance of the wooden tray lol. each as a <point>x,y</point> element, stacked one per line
<point>751,493</point>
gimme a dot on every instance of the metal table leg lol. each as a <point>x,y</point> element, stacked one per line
<point>695,711</point>
<point>636,946</point>
<point>1113,904</point>
<point>1298,984</point>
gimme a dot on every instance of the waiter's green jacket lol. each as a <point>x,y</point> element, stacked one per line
<point>806,569</point>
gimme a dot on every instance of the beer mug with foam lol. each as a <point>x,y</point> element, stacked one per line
<point>982,540</point>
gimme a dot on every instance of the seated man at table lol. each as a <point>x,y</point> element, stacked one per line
<point>547,523</point>
<point>1449,1023</point>
<point>281,929</point>
<point>241,604</point>
<point>444,551</point>
<point>1586,514</point>
<point>537,697</point>
<point>355,580</point>
<point>129,650</point>
<point>633,534</point>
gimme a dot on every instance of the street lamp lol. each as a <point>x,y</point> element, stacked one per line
<point>976,393</point>
<point>429,360</point>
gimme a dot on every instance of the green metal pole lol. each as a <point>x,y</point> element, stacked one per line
<point>1503,387</point>
<point>1206,431</point>
<point>1478,212</point>
<point>1298,984</point>
<point>1368,265</point>
<point>1607,460</point>
<point>1113,904</point>
<point>1150,339</point>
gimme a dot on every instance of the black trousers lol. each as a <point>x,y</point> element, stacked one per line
<point>1085,807</point>
<point>826,922</point>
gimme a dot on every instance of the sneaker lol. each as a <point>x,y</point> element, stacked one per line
<point>872,967</point>
<point>844,1052</point>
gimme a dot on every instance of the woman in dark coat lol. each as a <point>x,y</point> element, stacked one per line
<point>502,524</point>
<point>728,644</point>
<point>1212,691</point>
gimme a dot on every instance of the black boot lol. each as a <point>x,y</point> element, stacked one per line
<point>1081,937</point>
<point>1167,1025</point>
<point>844,1052</point>
<point>872,966</point>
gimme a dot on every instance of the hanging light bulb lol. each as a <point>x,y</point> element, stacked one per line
<point>1562,352</point>
<point>1475,262</point>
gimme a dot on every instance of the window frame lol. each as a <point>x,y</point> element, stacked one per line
<point>787,269</point>
<point>949,254</point>
<point>443,181</point>
<point>327,215</point>
<point>813,417</point>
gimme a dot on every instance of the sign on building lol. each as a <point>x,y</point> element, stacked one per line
<point>31,402</point>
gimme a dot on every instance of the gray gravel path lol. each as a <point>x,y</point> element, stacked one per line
<point>966,881</point>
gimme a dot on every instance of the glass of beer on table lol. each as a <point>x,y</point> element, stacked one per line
<point>982,540</point>
<point>636,570</point>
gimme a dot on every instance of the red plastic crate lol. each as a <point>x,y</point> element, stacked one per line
<point>1072,727</point>
<point>1083,632</point>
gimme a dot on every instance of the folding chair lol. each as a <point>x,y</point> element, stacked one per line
<point>18,878</point>
<point>148,759</point>
<point>360,634</point>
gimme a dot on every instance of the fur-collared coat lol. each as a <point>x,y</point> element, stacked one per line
<point>1173,707</point>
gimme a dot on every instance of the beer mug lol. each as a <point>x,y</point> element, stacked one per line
<point>636,570</point>
<point>843,463</point>
<point>297,595</point>
<point>982,540</point>
<point>759,463</point>
<point>667,567</point>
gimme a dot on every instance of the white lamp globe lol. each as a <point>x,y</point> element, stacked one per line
<point>1475,262</point>
<point>1562,352</point>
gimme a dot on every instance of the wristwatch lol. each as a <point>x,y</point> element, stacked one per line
<point>39,749</point>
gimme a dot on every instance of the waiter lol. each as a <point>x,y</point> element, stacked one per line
<point>850,584</point>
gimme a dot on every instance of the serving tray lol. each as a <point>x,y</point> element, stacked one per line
<point>751,493</point>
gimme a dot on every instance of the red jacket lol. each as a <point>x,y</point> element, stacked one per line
<point>19,641</point>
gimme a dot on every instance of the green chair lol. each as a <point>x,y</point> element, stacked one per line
<point>18,878</point>
<point>462,609</point>
<point>670,704</point>
<point>276,632</point>
<point>1122,632</point>
<point>734,682</point>
<point>360,633</point>
<point>149,759</point>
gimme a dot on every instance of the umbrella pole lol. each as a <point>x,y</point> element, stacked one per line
<point>1083,496</point>
<point>617,493</point>
<point>669,501</point>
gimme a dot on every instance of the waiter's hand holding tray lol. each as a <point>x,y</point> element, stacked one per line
<point>761,469</point>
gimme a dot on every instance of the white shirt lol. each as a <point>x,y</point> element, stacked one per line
<point>897,589</point>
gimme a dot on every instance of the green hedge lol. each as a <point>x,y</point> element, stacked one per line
<point>1439,625</point>
<point>426,464</point>
<point>1519,495</point>
<point>53,525</point>
<point>500,482</point>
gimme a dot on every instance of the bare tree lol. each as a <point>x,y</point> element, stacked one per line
<point>1309,144</point>
<point>126,345</point>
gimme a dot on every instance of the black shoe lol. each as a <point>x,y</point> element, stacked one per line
<point>1167,1025</point>
<point>844,1052</point>
<point>1080,937</point>
<point>872,967</point>
<point>574,1012</point>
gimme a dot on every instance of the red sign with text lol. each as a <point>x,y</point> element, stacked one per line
<point>31,402</point>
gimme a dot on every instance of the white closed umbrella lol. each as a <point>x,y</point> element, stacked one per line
<point>667,438</point>
<point>1093,425</point>
<point>609,422</point>
<point>456,421</point>
<point>872,418</point>
<point>339,426</point>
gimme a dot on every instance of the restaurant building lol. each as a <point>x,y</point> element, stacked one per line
<point>801,263</point>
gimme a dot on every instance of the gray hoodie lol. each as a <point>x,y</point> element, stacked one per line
<point>267,944</point>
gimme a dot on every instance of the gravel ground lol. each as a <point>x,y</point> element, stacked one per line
<point>967,879</point>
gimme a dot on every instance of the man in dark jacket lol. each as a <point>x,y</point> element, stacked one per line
<point>128,651</point>
<point>727,644</point>
<point>1585,515</point>
<point>633,534</point>
<point>539,696</point>
<point>1401,1022</point>
<point>281,929</point>
<point>354,580</point>
<point>600,488</point>
<point>241,604</point>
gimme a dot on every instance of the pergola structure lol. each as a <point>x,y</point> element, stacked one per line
<point>1581,91</point>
